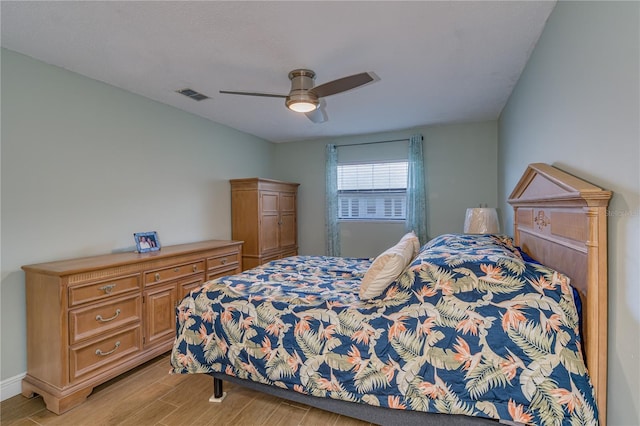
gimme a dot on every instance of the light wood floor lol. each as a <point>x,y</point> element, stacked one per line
<point>148,395</point>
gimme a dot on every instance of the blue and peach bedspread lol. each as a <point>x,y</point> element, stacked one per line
<point>468,328</point>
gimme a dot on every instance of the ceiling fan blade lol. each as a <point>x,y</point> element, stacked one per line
<point>318,115</point>
<point>266,95</point>
<point>342,84</point>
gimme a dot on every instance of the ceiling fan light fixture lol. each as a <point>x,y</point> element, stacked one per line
<point>301,106</point>
<point>304,97</point>
<point>302,102</point>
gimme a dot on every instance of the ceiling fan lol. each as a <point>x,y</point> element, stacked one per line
<point>305,97</point>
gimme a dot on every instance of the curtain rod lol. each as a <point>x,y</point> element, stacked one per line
<point>372,143</point>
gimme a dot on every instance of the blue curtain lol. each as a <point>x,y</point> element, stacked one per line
<point>331,202</point>
<point>416,199</point>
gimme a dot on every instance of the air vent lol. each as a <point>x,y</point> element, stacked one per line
<point>189,93</point>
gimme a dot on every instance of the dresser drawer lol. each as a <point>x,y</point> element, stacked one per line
<point>103,289</point>
<point>223,261</point>
<point>85,323</point>
<point>173,272</point>
<point>92,358</point>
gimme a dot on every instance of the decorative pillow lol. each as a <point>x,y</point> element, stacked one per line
<point>411,236</point>
<point>386,268</point>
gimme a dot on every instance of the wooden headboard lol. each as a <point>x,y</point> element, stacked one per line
<point>561,221</point>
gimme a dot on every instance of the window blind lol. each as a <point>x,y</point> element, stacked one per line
<point>372,191</point>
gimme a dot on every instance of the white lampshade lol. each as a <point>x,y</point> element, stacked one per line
<point>481,220</point>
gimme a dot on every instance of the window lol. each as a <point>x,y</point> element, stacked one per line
<point>372,191</point>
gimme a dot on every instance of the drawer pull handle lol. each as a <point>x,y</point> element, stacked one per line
<point>157,277</point>
<point>223,261</point>
<point>100,353</point>
<point>107,288</point>
<point>176,270</point>
<point>99,317</point>
<point>195,268</point>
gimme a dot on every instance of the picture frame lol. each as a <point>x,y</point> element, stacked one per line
<point>147,241</point>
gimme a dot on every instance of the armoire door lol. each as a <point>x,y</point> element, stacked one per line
<point>288,227</point>
<point>270,218</point>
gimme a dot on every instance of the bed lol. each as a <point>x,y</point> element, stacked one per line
<point>463,330</point>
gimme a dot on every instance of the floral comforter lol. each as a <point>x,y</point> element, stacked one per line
<point>468,328</point>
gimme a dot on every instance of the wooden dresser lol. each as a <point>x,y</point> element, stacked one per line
<point>264,216</point>
<point>93,318</point>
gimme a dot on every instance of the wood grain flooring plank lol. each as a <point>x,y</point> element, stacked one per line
<point>149,415</point>
<point>189,387</point>
<point>286,415</point>
<point>317,417</point>
<point>131,404</point>
<point>24,422</point>
<point>16,408</point>
<point>257,411</point>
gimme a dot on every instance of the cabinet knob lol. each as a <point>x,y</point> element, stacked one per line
<point>176,270</point>
<point>195,268</point>
<point>224,261</point>
<point>157,276</point>
<point>108,288</point>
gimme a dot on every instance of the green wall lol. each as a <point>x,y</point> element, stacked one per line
<point>576,106</point>
<point>84,165</point>
<point>461,170</point>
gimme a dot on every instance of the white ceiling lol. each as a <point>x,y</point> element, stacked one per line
<point>437,61</point>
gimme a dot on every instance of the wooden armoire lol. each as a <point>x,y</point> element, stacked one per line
<point>264,216</point>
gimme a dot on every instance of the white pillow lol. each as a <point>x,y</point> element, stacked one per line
<point>411,236</point>
<point>386,268</point>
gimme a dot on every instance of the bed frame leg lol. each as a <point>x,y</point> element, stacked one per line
<point>218,394</point>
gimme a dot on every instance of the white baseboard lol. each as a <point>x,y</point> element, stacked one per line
<point>11,386</point>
